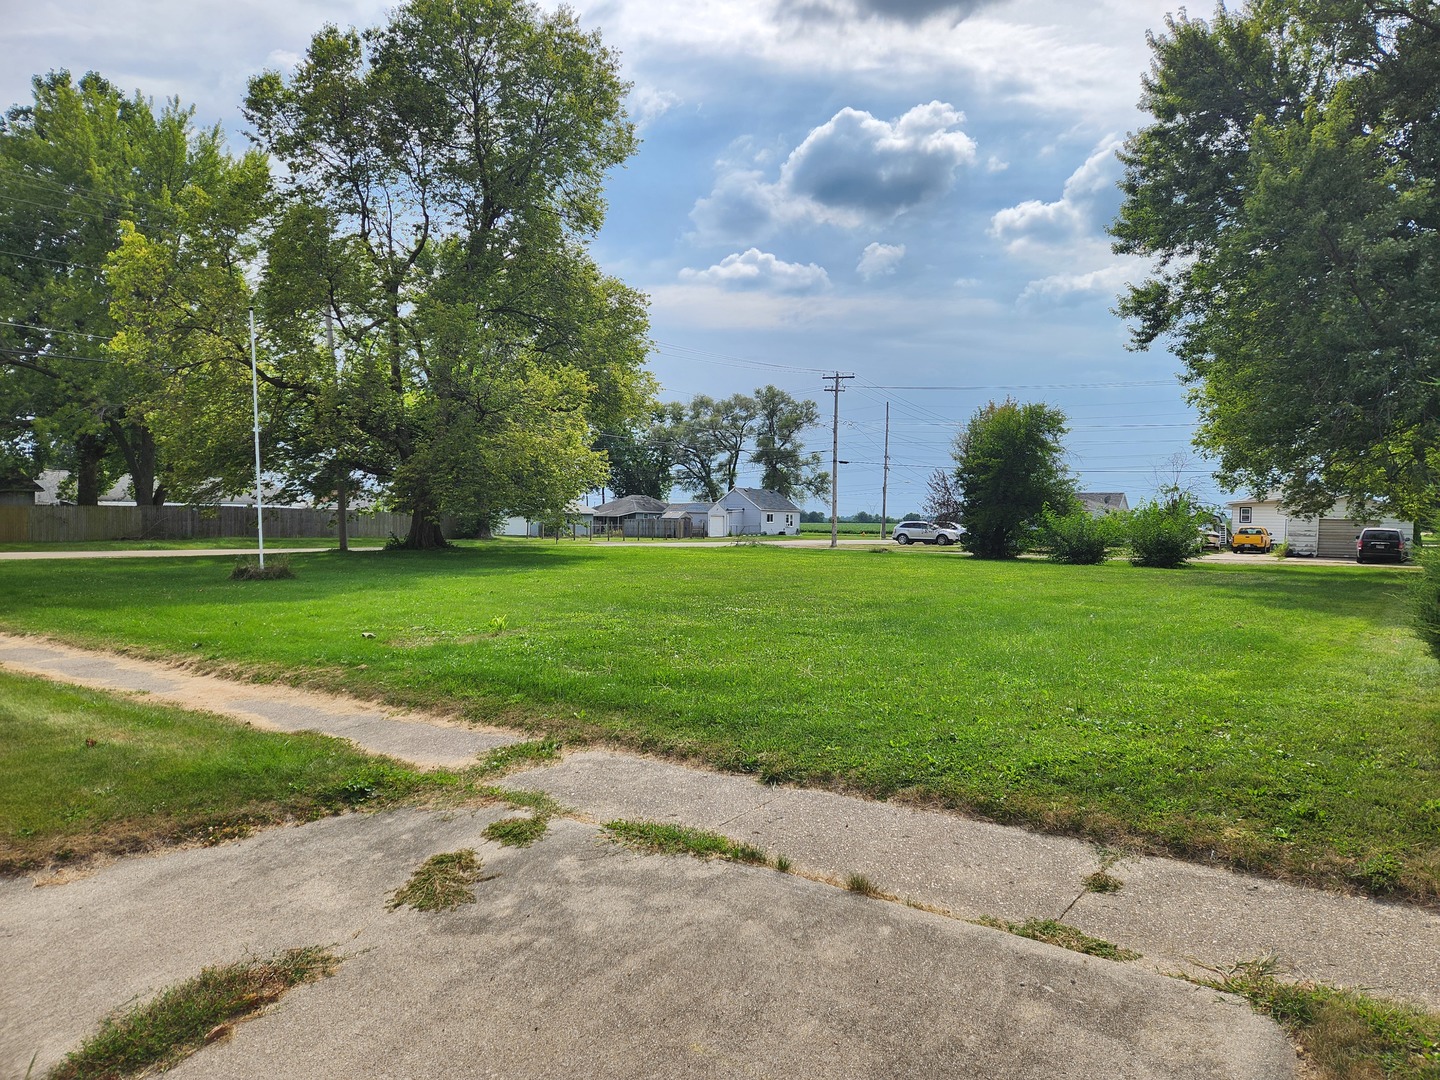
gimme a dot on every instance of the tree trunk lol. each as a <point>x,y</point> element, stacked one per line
<point>425,534</point>
<point>89,449</point>
<point>138,445</point>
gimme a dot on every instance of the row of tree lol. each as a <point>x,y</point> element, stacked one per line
<point>700,445</point>
<point>429,321</point>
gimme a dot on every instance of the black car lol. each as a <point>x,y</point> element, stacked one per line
<point>1381,545</point>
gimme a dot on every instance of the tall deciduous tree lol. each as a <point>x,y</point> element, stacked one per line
<point>451,164</point>
<point>780,420</point>
<point>708,438</point>
<point>76,165</point>
<point>1008,467</point>
<point>1289,191</point>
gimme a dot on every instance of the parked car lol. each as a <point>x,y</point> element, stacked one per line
<point>1210,540</point>
<point>1251,538</point>
<point>927,532</point>
<point>1381,545</point>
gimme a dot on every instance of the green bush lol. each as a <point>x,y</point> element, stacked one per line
<point>1164,535</point>
<point>1425,600</point>
<point>1076,537</point>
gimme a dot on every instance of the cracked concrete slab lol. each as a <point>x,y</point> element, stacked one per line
<point>579,959</point>
<point>1179,915</point>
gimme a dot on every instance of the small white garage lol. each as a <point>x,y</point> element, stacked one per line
<point>1331,536</point>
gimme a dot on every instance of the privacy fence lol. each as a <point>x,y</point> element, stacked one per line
<point>62,524</point>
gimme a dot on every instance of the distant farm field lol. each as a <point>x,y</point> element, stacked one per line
<point>1275,716</point>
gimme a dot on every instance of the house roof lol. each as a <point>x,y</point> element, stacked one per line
<point>19,483</point>
<point>1103,500</point>
<point>679,510</point>
<point>763,499</point>
<point>630,504</point>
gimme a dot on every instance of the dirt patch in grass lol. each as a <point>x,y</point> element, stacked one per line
<point>161,1033</point>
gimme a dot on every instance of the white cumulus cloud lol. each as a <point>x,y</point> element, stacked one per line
<point>1034,227</point>
<point>879,259</point>
<point>756,269</point>
<point>853,169</point>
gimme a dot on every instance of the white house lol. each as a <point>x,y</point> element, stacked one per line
<point>754,512</point>
<point>577,515</point>
<point>1331,535</point>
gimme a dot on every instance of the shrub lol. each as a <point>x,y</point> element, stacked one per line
<point>1164,535</point>
<point>1425,600</point>
<point>1075,538</point>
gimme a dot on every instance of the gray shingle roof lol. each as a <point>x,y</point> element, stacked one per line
<point>769,500</point>
<point>630,504</point>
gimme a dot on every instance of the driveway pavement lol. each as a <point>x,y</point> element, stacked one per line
<point>583,959</point>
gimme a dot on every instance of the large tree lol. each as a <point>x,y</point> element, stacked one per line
<point>447,169</point>
<point>81,167</point>
<point>779,422</point>
<point>1289,193</point>
<point>1009,466</point>
<point>709,438</point>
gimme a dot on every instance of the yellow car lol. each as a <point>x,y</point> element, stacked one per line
<point>1251,538</point>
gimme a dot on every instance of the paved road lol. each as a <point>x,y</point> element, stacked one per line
<point>580,959</point>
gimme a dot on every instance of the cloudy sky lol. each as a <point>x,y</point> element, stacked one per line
<point>910,191</point>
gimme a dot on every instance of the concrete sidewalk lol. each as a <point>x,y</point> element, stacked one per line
<point>727,949</point>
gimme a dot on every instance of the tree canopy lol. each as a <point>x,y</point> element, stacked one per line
<point>82,168</point>
<point>1287,191</point>
<point>446,171</point>
<point>707,439</point>
<point>1008,468</point>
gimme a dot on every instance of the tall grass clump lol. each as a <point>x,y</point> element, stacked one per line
<point>1425,601</point>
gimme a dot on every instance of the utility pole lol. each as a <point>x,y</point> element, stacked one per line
<point>255,403</point>
<point>342,477</point>
<point>835,457</point>
<point>885,481</point>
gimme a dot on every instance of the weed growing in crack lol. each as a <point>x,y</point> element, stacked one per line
<point>859,883</point>
<point>1061,934</point>
<point>1344,1033</point>
<point>517,832</point>
<point>183,1018</point>
<point>658,838</point>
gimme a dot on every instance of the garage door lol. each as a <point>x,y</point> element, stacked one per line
<point>1337,538</point>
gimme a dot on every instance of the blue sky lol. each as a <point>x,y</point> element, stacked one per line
<point>913,191</point>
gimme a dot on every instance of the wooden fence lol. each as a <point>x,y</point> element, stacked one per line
<point>652,529</point>
<point>69,524</point>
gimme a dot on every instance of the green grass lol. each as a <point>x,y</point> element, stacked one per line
<point>661,838</point>
<point>442,882</point>
<point>161,1033</point>
<point>239,543</point>
<point>89,773</point>
<point>1279,717</point>
<point>1344,1034</point>
<point>1061,934</point>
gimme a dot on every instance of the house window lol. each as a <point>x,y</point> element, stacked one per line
<point>1244,515</point>
<point>769,518</point>
<point>789,519</point>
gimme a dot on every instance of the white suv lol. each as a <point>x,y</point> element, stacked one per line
<point>927,532</point>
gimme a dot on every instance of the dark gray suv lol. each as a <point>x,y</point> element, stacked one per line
<point>1381,545</point>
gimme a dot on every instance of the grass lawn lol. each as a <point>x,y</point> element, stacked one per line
<point>240,543</point>
<point>87,773</point>
<point>1279,717</point>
